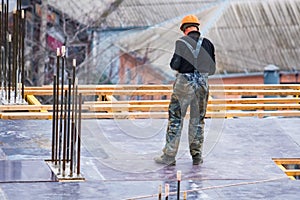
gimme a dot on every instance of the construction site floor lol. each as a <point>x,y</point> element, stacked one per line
<point>117,160</point>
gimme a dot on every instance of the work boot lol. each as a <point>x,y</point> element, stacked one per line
<point>197,160</point>
<point>165,159</point>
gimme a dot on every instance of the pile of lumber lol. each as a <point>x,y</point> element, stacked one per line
<point>152,101</point>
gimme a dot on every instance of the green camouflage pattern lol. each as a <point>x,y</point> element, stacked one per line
<point>190,89</point>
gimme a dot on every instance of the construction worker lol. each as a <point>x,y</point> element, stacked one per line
<point>194,60</point>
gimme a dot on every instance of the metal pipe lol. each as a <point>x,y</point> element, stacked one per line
<point>79,134</point>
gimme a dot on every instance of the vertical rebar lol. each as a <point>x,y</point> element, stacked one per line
<point>5,35</point>
<point>76,118</point>
<point>167,188</point>
<point>71,83</point>
<point>178,184</point>
<point>1,24</point>
<point>54,118</point>
<point>15,55</point>
<point>73,129</point>
<point>61,106</point>
<point>19,33</point>
<point>57,103</point>
<point>3,82</point>
<point>79,134</point>
<point>23,24</point>
<point>1,45</point>
<point>159,192</point>
<point>69,117</point>
<point>9,66</point>
<point>1,66</point>
<point>72,141</point>
<point>65,134</point>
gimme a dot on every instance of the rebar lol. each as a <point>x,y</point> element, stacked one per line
<point>79,135</point>
<point>54,118</point>
<point>69,117</point>
<point>12,60</point>
<point>57,104</point>
<point>66,122</point>
<point>65,135</point>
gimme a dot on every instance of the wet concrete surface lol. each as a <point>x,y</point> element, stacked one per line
<point>117,160</point>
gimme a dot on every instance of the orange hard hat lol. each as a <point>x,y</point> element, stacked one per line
<point>190,20</point>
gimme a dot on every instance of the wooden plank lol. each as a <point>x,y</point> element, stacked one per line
<point>260,114</point>
<point>148,115</point>
<point>131,102</point>
<point>110,87</point>
<point>25,107</point>
<point>105,92</point>
<point>208,114</point>
<point>210,101</point>
<point>34,101</point>
<point>253,100</point>
<point>32,107</point>
<point>27,115</point>
<point>110,107</point>
<point>170,86</point>
<point>127,115</point>
<point>287,161</point>
<point>254,86</point>
<point>111,98</point>
<point>253,106</point>
<point>169,92</point>
<point>164,107</point>
<point>128,107</point>
<point>292,172</point>
<point>216,107</point>
<point>255,92</point>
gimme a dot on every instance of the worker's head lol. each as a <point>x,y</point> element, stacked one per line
<point>189,23</point>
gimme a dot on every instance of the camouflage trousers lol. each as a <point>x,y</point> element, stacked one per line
<point>189,90</point>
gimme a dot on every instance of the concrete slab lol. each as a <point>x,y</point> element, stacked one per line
<point>117,160</point>
<point>22,171</point>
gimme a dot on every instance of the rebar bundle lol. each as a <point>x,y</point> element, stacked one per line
<point>66,122</point>
<point>12,38</point>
